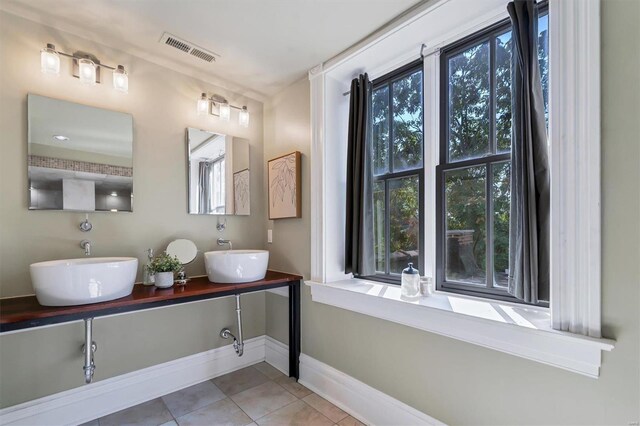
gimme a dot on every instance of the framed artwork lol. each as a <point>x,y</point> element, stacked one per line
<point>241,193</point>
<point>284,186</point>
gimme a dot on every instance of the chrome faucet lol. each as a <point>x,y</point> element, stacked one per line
<point>86,245</point>
<point>222,241</point>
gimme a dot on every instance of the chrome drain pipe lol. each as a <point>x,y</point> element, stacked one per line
<point>225,333</point>
<point>89,365</point>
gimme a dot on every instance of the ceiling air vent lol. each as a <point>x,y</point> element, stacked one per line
<point>187,47</point>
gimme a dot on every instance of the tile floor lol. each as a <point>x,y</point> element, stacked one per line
<point>256,395</point>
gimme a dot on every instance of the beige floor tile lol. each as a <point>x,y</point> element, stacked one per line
<point>190,399</point>
<point>290,385</point>
<point>171,423</point>
<point>350,421</point>
<point>269,370</point>
<point>297,413</point>
<point>223,412</point>
<point>325,407</point>
<point>151,413</point>
<point>263,399</point>
<point>240,380</point>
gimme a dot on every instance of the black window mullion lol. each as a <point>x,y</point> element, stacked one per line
<point>492,90</point>
<point>387,194</point>
<point>391,132</point>
<point>489,225</point>
<point>387,229</point>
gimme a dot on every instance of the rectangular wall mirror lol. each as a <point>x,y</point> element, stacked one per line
<point>80,158</point>
<point>219,175</point>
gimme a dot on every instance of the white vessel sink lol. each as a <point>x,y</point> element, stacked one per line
<point>236,266</point>
<point>82,281</point>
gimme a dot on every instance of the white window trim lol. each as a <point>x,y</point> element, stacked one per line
<point>575,199</point>
<point>511,328</point>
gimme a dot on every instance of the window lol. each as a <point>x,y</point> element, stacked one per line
<point>398,186</point>
<point>475,157</point>
<point>574,128</point>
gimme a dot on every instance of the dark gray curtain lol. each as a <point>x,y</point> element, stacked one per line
<point>359,219</point>
<point>529,221</point>
<point>205,171</point>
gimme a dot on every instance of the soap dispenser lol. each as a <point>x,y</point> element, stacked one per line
<point>147,277</point>
<point>410,286</point>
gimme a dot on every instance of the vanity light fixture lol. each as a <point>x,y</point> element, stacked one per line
<point>114,194</point>
<point>50,60</point>
<point>203,105</point>
<point>87,71</point>
<point>224,109</point>
<point>243,117</point>
<point>120,79</point>
<point>88,67</point>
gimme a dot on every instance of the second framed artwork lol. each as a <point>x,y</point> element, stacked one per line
<point>284,179</point>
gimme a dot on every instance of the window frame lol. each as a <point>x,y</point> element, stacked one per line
<point>489,161</point>
<point>388,80</point>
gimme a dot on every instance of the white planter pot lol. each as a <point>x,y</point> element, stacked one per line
<point>164,279</point>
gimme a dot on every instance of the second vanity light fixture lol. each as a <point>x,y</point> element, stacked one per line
<point>205,106</point>
<point>88,68</point>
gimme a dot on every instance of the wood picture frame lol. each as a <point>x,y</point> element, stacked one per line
<point>284,180</point>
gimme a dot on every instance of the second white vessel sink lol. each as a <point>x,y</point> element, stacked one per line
<point>82,281</point>
<point>236,266</point>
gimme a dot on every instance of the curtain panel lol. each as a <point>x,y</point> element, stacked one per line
<point>529,219</point>
<point>359,258</point>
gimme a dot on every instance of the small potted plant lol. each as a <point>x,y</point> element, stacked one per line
<point>163,267</point>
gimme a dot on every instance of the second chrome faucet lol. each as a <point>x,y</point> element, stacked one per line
<point>222,242</point>
<point>86,245</point>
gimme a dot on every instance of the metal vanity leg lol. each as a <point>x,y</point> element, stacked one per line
<point>294,329</point>
<point>89,365</point>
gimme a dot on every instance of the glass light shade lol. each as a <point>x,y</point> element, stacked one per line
<point>203,105</point>
<point>243,117</point>
<point>225,111</point>
<point>87,71</point>
<point>120,79</point>
<point>49,60</point>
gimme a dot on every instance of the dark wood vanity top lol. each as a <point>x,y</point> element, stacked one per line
<point>25,312</point>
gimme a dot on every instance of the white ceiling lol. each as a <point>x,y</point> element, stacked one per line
<point>265,45</point>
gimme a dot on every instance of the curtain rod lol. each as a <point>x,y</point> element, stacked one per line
<point>423,55</point>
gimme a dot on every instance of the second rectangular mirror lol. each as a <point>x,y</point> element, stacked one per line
<point>218,168</point>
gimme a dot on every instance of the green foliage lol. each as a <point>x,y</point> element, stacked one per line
<point>164,263</point>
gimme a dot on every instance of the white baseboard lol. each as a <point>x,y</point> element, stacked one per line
<point>104,397</point>
<point>107,396</point>
<point>363,402</point>
<point>276,354</point>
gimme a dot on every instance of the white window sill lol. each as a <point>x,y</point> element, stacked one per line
<point>515,329</point>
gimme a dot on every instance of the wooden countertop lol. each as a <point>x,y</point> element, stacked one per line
<point>25,312</point>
